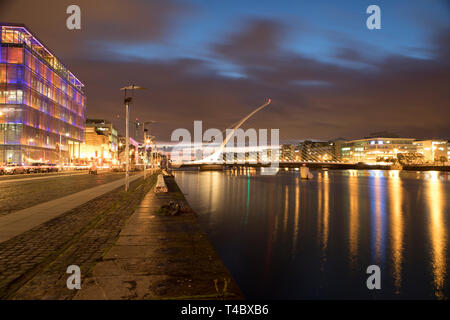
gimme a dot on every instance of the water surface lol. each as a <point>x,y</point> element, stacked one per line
<point>286,238</point>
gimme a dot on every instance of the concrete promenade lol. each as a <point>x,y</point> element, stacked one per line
<point>18,222</point>
<point>159,256</point>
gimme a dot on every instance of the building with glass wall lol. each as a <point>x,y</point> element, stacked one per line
<point>42,105</point>
<point>377,149</point>
<point>433,150</point>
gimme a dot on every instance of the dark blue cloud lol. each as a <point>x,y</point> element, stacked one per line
<point>216,60</point>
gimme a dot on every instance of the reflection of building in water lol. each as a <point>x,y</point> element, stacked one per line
<point>438,234</point>
<point>297,215</point>
<point>396,215</point>
<point>323,213</point>
<point>378,216</point>
<point>354,217</point>
<point>286,208</point>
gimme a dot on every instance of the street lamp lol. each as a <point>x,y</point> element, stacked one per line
<point>127,101</point>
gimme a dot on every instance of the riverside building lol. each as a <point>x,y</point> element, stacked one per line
<point>372,150</point>
<point>101,142</point>
<point>42,105</point>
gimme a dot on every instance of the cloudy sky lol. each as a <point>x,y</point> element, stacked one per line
<point>214,60</point>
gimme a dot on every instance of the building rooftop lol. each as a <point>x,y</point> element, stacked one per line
<point>19,33</point>
<point>97,121</point>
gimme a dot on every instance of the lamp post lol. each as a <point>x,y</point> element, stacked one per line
<point>127,101</point>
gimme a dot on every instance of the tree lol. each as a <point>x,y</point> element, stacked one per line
<point>441,159</point>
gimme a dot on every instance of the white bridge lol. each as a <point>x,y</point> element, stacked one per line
<point>216,157</point>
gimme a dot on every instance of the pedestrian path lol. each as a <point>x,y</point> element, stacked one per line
<point>160,256</point>
<point>18,222</point>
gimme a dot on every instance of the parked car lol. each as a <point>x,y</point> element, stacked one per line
<point>30,169</point>
<point>14,169</point>
<point>52,168</point>
<point>39,167</point>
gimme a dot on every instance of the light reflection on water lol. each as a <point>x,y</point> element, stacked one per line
<point>354,217</point>
<point>396,223</point>
<point>438,234</point>
<point>284,237</point>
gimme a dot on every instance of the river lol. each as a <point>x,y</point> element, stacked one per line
<point>282,237</point>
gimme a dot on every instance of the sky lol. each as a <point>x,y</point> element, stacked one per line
<point>327,74</point>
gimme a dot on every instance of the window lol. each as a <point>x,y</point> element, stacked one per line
<point>3,73</point>
<point>8,36</point>
<point>28,59</point>
<point>14,74</point>
<point>3,54</point>
<point>15,55</point>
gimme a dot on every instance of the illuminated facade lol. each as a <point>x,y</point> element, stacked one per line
<point>378,149</point>
<point>433,150</point>
<point>288,152</point>
<point>101,142</point>
<point>42,105</point>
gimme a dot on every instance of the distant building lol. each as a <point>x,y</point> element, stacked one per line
<point>42,105</point>
<point>448,151</point>
<point>101,142</point>
<point>287,152</point>
<point>319,150</point>
<point>433,150</point>
<point>96,147</point>
<point>371,150</point>
<point>133,148</point>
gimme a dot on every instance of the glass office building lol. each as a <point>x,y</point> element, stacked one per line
<point>372,150</point>
<point>42,105</point>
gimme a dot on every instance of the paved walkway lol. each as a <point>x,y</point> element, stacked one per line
<point>158,256</point>
<point>18,222</point>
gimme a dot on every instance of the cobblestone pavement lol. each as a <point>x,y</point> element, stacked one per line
<point>14,177</point>
<point>33,265</point>
<point>160,256</point>
<point>19,195</point>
